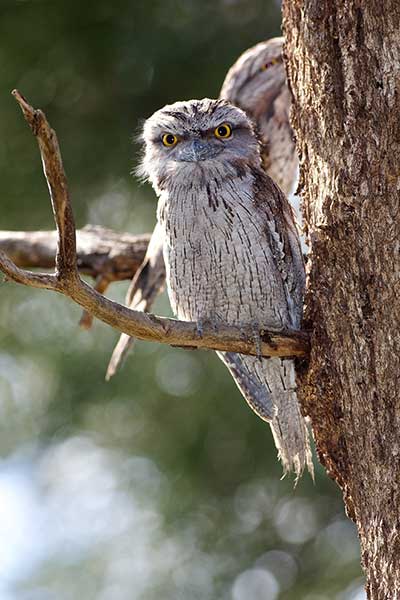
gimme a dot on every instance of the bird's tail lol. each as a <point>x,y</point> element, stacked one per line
<point>291,435</point>
<point>269,387</point>
<point>119,355</point>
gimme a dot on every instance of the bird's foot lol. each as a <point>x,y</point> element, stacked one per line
<point>200,327</point>
<point>210,323</point>
<point>257,340</point>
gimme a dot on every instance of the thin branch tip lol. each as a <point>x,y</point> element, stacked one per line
<point>22,101</point>
<point>33,116</point>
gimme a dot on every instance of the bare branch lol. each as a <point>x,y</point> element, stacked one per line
<point>57,183</point>
<point>39,280</point>
<point>141,325</point>
<point>101,286</point>
<point>101,252</point>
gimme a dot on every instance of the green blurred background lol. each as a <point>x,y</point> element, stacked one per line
<point>162,483</point>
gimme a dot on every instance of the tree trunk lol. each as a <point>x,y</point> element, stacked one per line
<point>343,61</point>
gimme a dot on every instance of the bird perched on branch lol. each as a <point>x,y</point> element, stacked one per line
<point>231,249</point>
<point>257,84</point>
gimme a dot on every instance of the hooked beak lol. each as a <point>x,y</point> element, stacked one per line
<point>198,150</point>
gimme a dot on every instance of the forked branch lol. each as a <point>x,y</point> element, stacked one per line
<point>67,281</point>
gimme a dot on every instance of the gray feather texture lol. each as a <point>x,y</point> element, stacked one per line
<point>231,249</point>
<point>256,83</point>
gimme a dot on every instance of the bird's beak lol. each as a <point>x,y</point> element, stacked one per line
<point>198,150</point>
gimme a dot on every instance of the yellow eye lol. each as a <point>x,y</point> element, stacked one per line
<point>169,139</point>
<point>267,65</point>
<point>223,131</point>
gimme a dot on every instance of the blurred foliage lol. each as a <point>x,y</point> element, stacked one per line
<point>162,483</point>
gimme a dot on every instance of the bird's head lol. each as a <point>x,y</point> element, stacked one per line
<point>193,141</point>
<point>256,78</point>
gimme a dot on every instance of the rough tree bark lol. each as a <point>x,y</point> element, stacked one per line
<point>343,61</point>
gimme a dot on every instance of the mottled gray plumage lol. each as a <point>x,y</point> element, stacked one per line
<point>257,84</point>
<point>231,249</point>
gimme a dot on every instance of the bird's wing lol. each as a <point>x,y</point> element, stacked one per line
<point>283,239</point>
